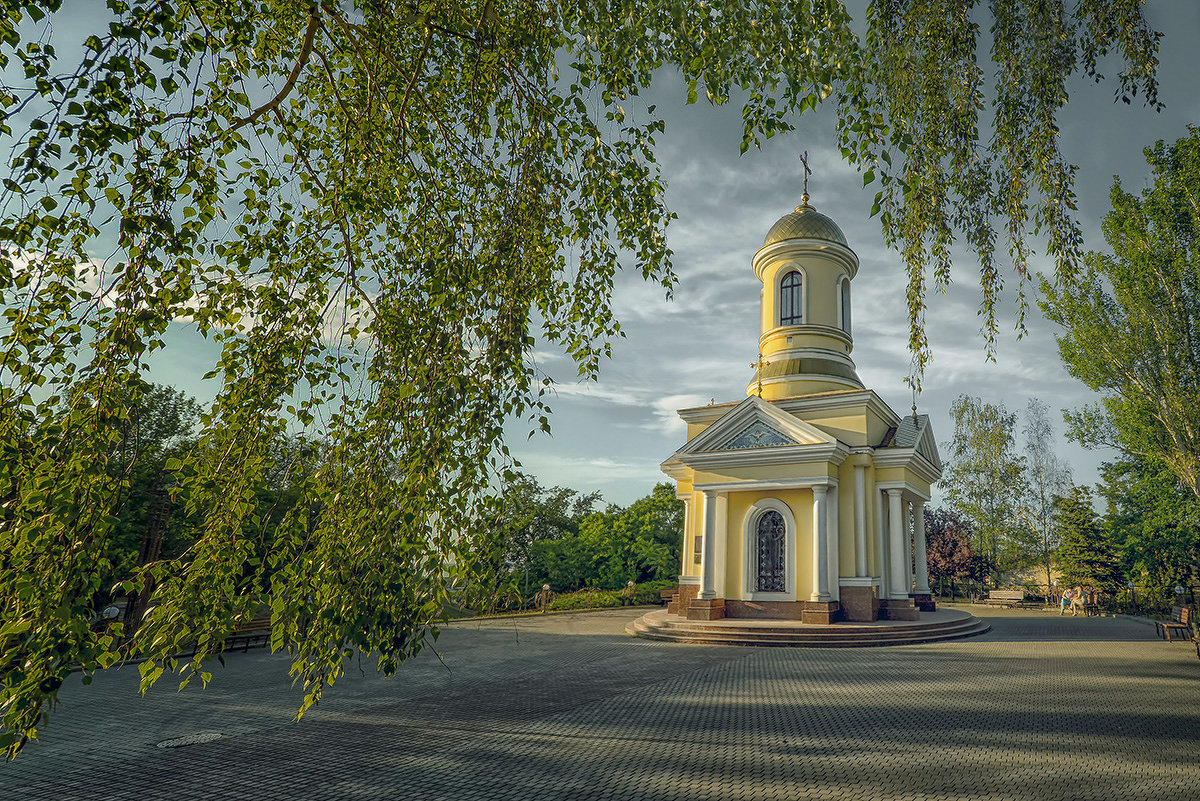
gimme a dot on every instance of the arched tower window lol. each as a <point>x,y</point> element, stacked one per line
<point>844,298</point>
<point>771,547</point>
<point>791,299</point>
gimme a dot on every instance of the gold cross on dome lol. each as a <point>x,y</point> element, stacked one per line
<point>807,172</point>
<point>758,366</point>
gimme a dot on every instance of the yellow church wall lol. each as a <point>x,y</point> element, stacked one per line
<point>845,502</point>
<point>848,426</point>
<point>891,474</point>
<point>791,337</point>
<point>821,274</point>
<point>800,502</point>
<point>919,483</point>
<point>766,473</point>
<point>876,426</point>
<point>775,389</point>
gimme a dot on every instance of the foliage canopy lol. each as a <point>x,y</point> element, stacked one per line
<point>1132,326</point>
<point>372,208</point>
<point>986,481</point>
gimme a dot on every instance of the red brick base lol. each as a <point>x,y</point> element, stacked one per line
<point>923,602</point>
<point>893,609</point>
<point>706,609</point>
<point>679,604</point>
<point>820,612</point>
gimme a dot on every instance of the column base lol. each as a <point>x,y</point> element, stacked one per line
<point>923,601</point>
<point>706,609</point>
<point>898,609</point>
<point>683,599</point>
<point>820,612</point>
<point>860,604</point>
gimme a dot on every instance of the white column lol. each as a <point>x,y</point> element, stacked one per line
<point>820,545</point>
<point>908,549</point>
<point>922,556</point>
<point>898,586</point>
<point>686,560</point>
<point>708,560</point>
<point>833,547</point>
<point>881,555</point>
<point>860,520</point>
<point>720,546</point>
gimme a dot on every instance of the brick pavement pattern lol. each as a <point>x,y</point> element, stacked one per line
<point>568,707</point>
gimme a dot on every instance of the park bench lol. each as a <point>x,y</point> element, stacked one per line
<point>252,632</point>
<point>1178,624</point>
<point>1009,598</point>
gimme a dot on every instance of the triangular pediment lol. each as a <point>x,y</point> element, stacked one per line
<point>915,435</point>
<point>927,447</point>
<point>755,423</point>
<point>757,435</point>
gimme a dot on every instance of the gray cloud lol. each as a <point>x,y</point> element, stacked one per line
<point>699,345</point>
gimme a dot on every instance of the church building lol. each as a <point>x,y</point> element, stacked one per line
<point>805,500</point>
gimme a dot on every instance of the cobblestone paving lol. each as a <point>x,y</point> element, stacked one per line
<point>567,707</point>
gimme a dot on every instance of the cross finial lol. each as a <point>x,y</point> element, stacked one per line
<point>807,172</point>
<point>758,366</point>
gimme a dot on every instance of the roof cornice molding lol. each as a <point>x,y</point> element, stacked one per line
<point>786,248</point>
<point>768,484</point>
<point>821,453</point>
<point>840,400</point>
<point>909,459</point>
<point>905,487</point>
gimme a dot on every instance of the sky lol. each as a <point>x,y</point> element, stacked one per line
<point>611,435</point>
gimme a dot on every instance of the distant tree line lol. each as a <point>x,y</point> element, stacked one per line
<point>1129,331</point>
<point>535,536</point>
<point>1008,511</point>
<point>527,536</point>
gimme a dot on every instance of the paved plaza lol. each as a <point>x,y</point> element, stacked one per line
<point>569,707</point>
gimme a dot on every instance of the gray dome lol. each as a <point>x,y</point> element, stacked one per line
<point>805,223</point>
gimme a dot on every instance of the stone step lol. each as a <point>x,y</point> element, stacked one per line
<point>656,626</point>
<point>713,638</point>
<point>834,629</point>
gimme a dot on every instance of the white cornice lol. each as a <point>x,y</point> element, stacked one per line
<point>823,452</point>
<point>909,459</point>
<point>800,378</point>
<point>807,329</point>
<point>752,409</point>
<point>840,399</point>
<point>904,486</point>
<point>767,484</point>
<point>793,248</point>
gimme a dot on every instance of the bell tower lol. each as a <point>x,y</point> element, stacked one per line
<point>806,267</point>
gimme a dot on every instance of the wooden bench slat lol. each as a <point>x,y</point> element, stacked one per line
<point>1179,623</point>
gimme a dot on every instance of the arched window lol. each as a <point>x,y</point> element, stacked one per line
<point>771,548</point>
<point>844,287</point>
<point>791,299</point>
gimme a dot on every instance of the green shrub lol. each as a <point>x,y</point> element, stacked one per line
<point>590,598</point>
<point>647,593</point>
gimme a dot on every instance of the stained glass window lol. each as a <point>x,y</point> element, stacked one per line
<point>791,299</point>
<point>772,571</point>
